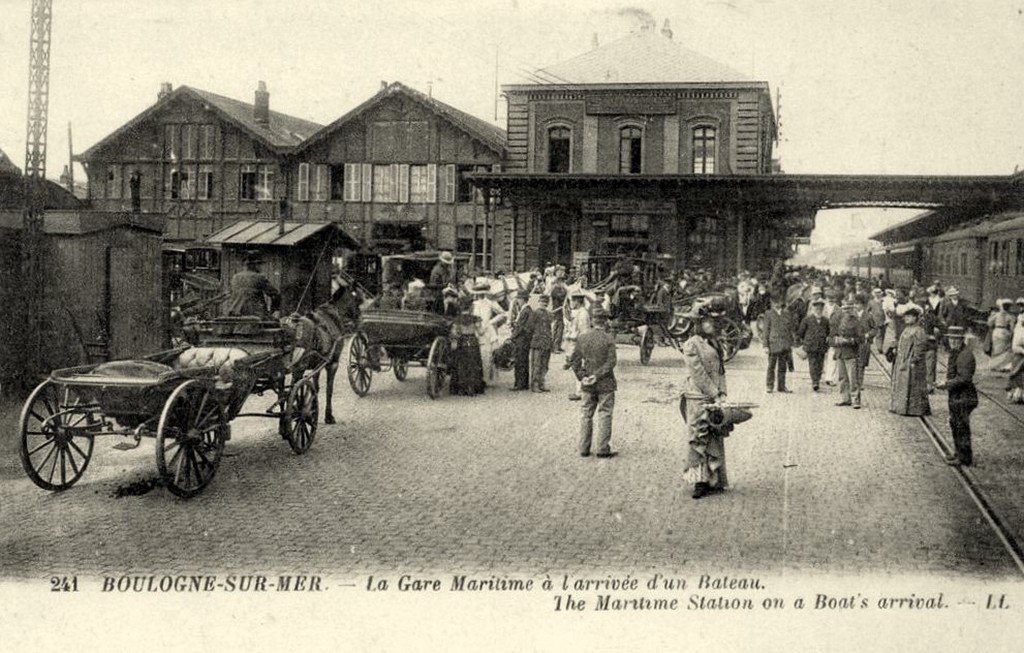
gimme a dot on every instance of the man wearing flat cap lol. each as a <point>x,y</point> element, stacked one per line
<point>540,344</point>
<point>813,335</point>
<point>251,292</point>
<point>846,341</point>
<point>963,396</point>
<point>593,361</point>
<point>521,336</point>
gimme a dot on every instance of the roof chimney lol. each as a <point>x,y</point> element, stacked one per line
<point>383,85</point>
<point>165,90</point>
<point>261,106</point>
<point>666,31</point>
<point>593,41</point>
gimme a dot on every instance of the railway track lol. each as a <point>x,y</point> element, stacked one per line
<point>941,367</point>
<point>970,484</point>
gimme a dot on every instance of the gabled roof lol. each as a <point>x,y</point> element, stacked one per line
<point>50,195</point>
<point>7,166</point>
<point>490,135</point>
<point>644,57</point>
<point>283,133</point>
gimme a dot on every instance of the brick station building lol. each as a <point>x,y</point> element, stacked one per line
<point>591,149</point>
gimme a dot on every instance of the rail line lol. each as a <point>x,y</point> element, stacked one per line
<point>1006,409</point>
<point>970,484</point>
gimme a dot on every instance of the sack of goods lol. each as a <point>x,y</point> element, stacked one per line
<point>504,356</point>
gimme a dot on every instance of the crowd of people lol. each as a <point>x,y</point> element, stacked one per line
<point>832,321</point>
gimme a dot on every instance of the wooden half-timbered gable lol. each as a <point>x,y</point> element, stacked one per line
<point>202,159</point>
<point>391,172</point>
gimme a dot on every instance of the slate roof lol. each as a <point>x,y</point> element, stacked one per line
<point>490,135</point>
<point>283,132</point>
<point>52,196</point>
<point>7,166</point>
<point>644,57</point>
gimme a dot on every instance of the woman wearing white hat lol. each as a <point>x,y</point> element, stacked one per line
<point>909,375</point>
<point>490,314</point>
<point>1000,325</point>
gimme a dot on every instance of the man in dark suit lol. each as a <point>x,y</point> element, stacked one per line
<point>540,344</point>
<point>251,291</point>
<point>778,343</point>
<point>593,362</point>
<point>952,311</point>
<point>813,333</point>
<point>963,396</point>
<point>521,336</point>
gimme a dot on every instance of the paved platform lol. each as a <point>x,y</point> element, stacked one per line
<point>493,483</point>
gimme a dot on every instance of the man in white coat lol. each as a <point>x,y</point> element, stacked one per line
<point>579,324</point>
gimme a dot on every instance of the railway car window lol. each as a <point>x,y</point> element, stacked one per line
<point>963,262</point>
<point>1020,257</point>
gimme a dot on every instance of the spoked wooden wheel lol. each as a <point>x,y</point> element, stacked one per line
<point>56,436</point>
<point>437,367</point>
<point>190,439</point>
<point>730,336</point>
<point>360,369</point>
<point>301,414</point>
<point>400,367</point>
<point>646,345</point>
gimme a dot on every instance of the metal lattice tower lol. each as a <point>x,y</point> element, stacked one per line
<point>38,89</point>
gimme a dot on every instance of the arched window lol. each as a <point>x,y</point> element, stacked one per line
<point>704,146</point>
<point>630,148</point>
<point>559,139</point>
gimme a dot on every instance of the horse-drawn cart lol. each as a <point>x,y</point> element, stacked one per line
<point>396,339</point>
<point>183,397</point>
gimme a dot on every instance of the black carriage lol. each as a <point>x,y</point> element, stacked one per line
<point>184,398</point>
<point>733,332</point>
<point>396,340</point>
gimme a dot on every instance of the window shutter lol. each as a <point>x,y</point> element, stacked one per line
<point>403,183</point>
<point>449,182</point>
<point>302,189</point>
<point>323,182</point>
<point>431,182</point>
<point>353,182</point>
<point>367,182</point>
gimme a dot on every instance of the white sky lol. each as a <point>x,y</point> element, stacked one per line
<point>868,86</point>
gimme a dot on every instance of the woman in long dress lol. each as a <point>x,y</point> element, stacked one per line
<point>703,383</point>
<point>1015,384</point>
<point>1000,325</point>
<point>909,374</point>
<point>467,375</point>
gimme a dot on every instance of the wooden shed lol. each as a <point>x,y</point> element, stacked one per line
<point>297,256</point>
<point>101,287</point>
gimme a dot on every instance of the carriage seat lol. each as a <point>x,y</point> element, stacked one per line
<point>222,358</point>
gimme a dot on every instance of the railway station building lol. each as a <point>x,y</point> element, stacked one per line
<point>596,144</point>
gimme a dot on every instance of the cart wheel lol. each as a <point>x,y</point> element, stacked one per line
<point>400,367</point>
<point>437,367</point>
<point>190,439</point>
<point>301,415</point>
<point>730,336</point>
<point>360,372</point>
<point>646,345</point>
<point>53,437</point>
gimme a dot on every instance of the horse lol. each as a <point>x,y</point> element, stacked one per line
<point>319,335</point>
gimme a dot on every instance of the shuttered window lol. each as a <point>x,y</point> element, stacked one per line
<point>321,182</point>
<point>302,189</point>
<point>367,182</point>
<point>353,182</point>
<point>450,181</point>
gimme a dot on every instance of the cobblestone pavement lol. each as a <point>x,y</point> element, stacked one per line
<point>493,483</point>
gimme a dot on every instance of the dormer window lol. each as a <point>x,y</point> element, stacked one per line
<point>630,150</point>
<point>559,150</point>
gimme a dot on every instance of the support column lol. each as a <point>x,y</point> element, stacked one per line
<point>741,219</point>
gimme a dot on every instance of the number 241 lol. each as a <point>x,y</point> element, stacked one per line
<point>64,584</point>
